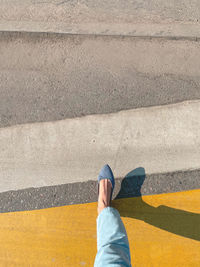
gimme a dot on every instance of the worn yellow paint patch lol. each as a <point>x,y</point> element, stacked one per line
<point>163,230</point>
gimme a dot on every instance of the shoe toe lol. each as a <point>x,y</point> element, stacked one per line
<point>106,172</point>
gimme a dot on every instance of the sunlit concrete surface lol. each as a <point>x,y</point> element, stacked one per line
<point>160,139</point>
<point>134,18</point>
<point>163,230</point>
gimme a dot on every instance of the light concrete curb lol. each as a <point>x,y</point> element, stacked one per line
<point>138,18</point>
<point>160,139</point>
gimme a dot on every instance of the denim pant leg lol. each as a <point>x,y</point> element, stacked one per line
<point>112,241</point>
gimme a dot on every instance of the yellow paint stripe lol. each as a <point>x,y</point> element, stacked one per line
<point>163,230</point>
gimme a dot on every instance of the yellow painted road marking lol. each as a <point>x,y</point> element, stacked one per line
<point>163,230</point>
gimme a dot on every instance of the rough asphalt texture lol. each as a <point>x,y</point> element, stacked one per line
<point>85,192</point>
<point>49,77</point>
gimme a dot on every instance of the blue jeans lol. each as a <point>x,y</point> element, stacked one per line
<point>112,241</point>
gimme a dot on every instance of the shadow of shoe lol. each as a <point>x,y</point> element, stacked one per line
<point>180,222</point>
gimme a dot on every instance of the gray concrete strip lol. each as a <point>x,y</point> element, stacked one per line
<point>134,18</point>
<point>161,139</point>
<point>48,77</point>
<point>85,192</point>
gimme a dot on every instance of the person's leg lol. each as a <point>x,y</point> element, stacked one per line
<point>112,240</point>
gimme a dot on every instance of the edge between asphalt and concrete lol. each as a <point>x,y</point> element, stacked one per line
<point>153,31</point>
<point>124,18</point>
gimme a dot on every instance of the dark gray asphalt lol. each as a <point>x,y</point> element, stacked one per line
<point>49,77</point>
<point>133,185</point>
